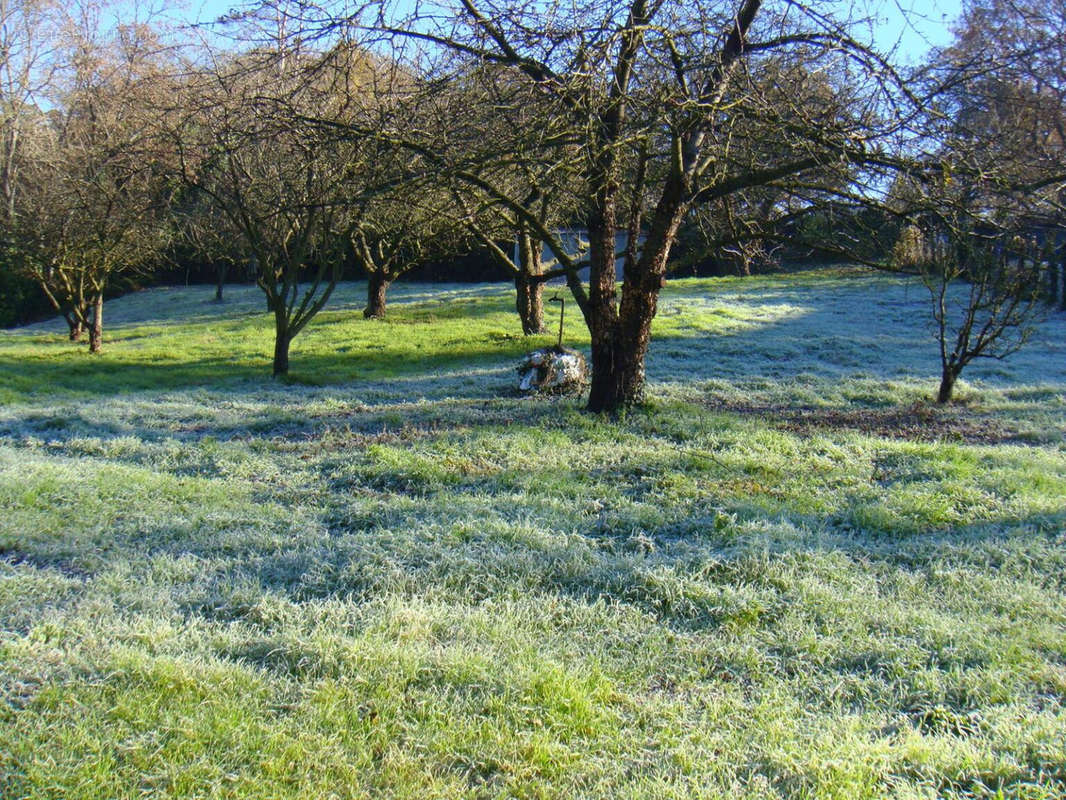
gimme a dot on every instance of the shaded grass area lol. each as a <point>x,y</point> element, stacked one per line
<point>412,586</point>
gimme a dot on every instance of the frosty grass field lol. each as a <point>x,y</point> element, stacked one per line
<point>788,576</point>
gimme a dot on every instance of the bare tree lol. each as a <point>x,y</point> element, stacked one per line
<point>511,142</point>
<point>94,197</point>
<point>269,181</point>
<point>986,286</point>
<point>283,187</point>
<point>393,230</point>
<point>664,111</point>
<point>515,246</point>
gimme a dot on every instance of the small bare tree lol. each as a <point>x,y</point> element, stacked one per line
<point>989,237</point>
<point>986,286</point>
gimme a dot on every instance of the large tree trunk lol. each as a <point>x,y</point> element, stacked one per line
<point>948,377</point>
<point>612,371</point>
<point>96,328</point>
<point>620,338</point>
<point>617,374</point>
<point>619,351</point>
<point>377,286</point>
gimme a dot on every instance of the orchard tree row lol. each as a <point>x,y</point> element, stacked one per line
<point>291,138</point>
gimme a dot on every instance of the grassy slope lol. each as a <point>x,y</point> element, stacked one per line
<point>786,578</point>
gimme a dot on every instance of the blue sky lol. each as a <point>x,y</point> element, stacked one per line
<point>913,25</point>
<point>916,25</point>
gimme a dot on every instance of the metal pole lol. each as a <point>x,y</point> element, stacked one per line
<point>562,312</point>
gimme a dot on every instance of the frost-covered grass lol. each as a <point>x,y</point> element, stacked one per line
<point>789,576</point>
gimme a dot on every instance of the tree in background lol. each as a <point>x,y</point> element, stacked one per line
<point>1005,115</point>
<point>516,246</point>
<point>748,229</point>
<point>29,35</point>
<point>395,231</point>
<point>210,237</point>
<point>284,187</point>
<point>94,194</point>
<point>29,31</point>
<point>514,155</point>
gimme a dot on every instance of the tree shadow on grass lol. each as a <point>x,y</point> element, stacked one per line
<point>459,398</point>
<point>30,378</point>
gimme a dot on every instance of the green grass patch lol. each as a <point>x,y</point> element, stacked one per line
<point>786,576</point>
